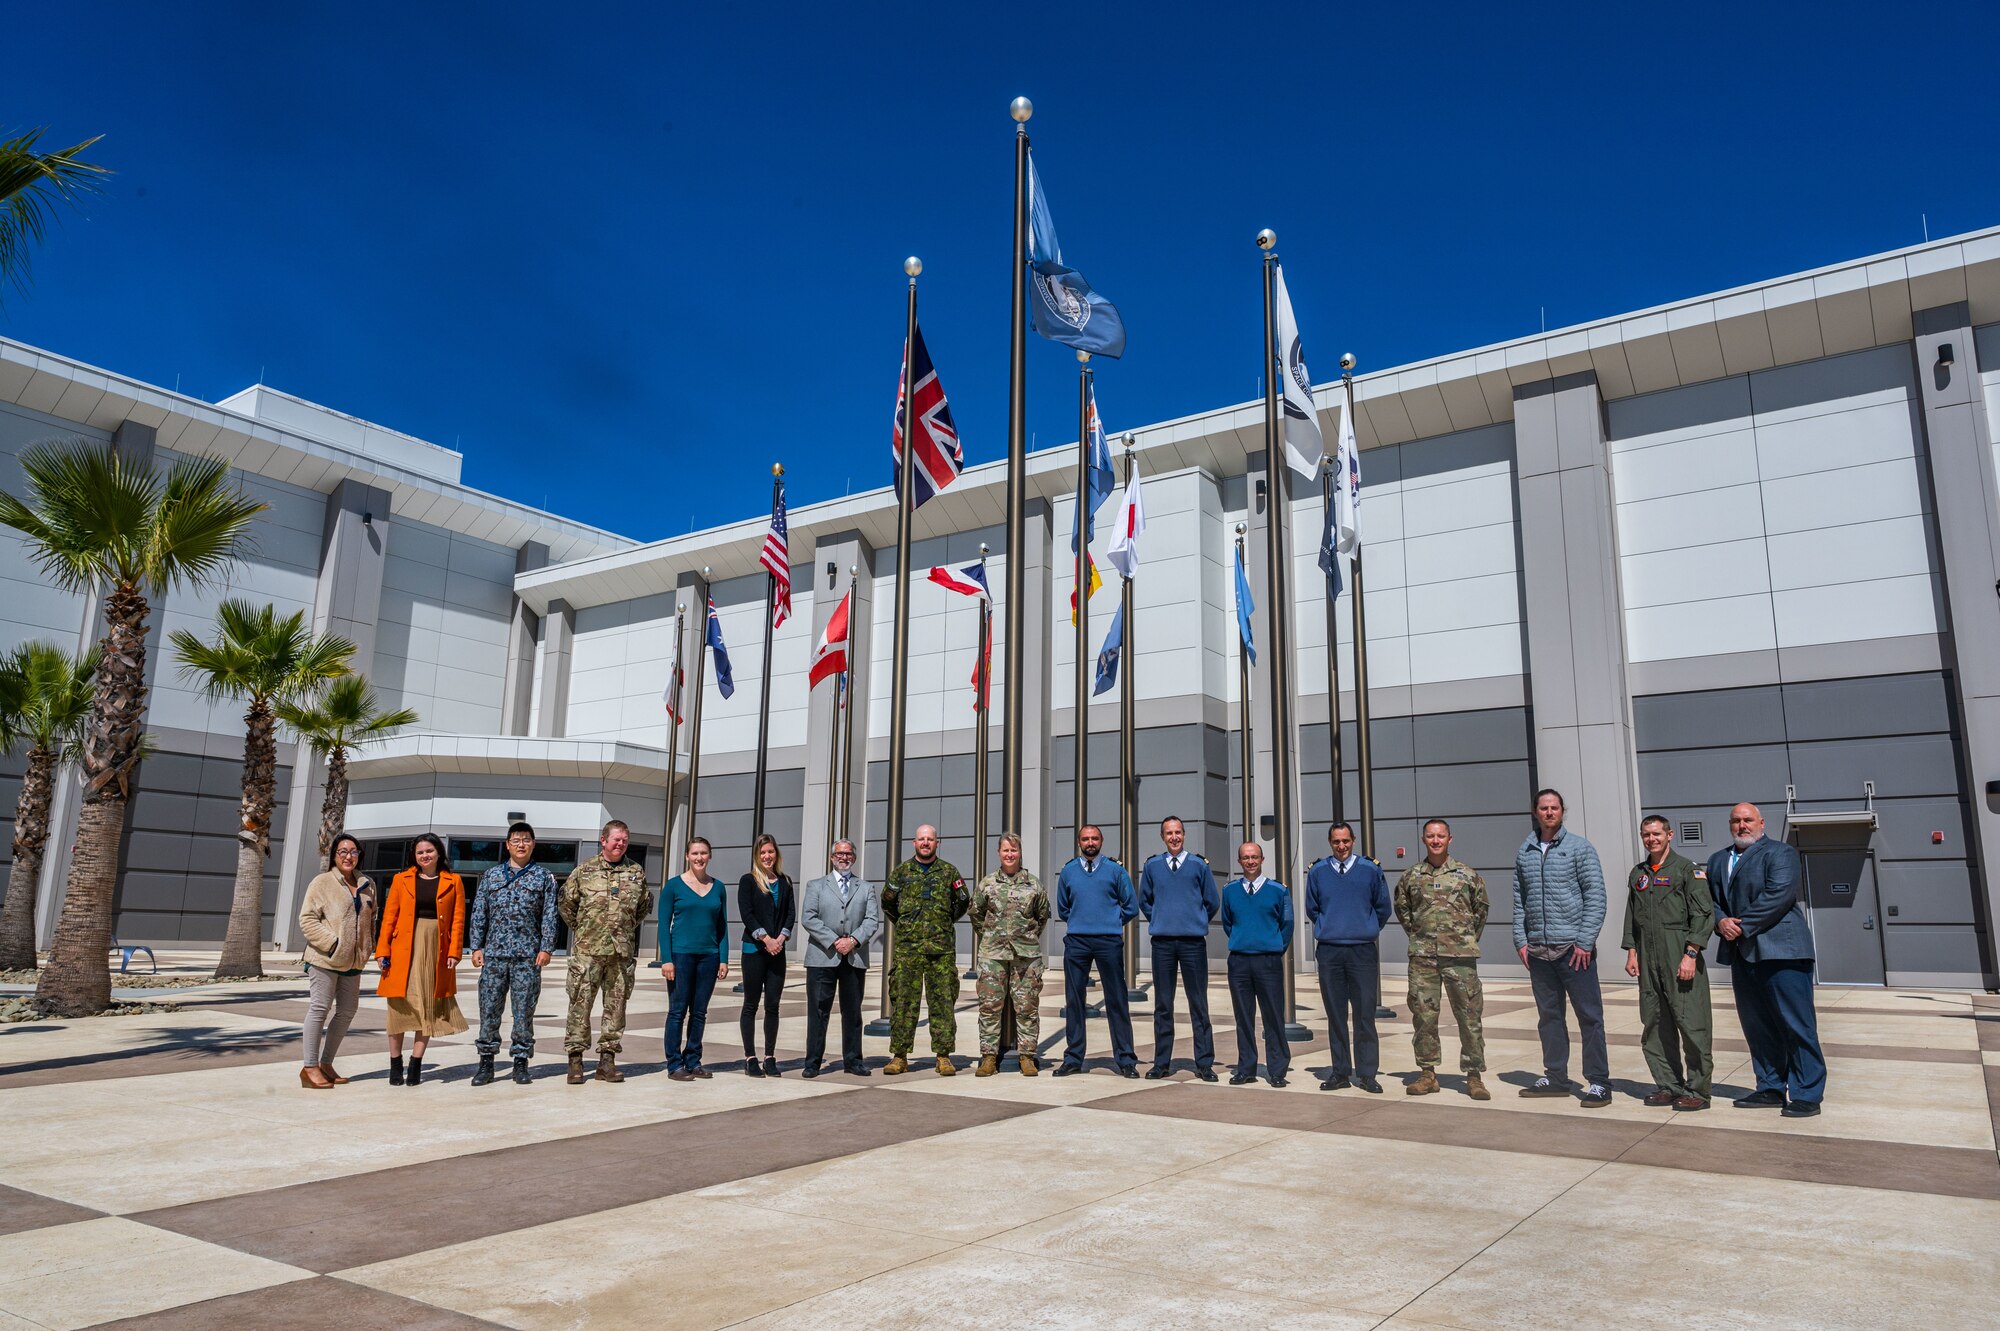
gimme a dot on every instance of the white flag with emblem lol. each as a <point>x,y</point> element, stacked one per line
<point>1303,445</point>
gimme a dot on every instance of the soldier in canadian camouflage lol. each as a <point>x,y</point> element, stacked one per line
<point>1009,912</point>
<point>603,902</point>
<point>1441,903</point>
<point>924,898</point>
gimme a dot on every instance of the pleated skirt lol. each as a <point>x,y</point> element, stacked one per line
<point>421,1012</point>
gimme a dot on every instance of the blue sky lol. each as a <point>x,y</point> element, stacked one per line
<point>626,257</point>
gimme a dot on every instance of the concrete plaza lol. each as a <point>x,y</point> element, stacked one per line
<point>167,1170</point>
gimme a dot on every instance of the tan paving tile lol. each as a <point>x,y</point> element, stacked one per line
<point>1932,1104</point>
<point>92,1271</point>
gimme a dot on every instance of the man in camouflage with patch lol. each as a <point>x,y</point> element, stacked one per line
<point>1441,903</point>
<point>924,898</point>
<point>1009,912</point>
<point>603,902</point>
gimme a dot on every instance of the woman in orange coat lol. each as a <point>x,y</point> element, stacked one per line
<point>423,932</point>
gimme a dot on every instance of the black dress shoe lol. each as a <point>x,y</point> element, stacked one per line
<point>1068,1070</point>
<point>1204,1074</point>
<point>809,1070</point>
<point>1157,1074</point>
<point>1800,1109</point>
<point>771,1067</point>
<point>1130,1071</point>
<point>855,1069</point>
<point>1242,1078</point>
<point>1761,1100</point>
<point>1335,1083</point>
<point>1369,1084</point>
<point>1278,1081</point>
<point>751,1068</point>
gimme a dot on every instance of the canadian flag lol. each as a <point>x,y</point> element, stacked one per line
<point>830,657</point>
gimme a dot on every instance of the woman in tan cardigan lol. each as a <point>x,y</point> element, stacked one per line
<point>423,933</point>
<point>338,920</point>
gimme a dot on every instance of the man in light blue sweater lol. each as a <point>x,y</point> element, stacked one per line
<point>1094,898</point>
<point>1179,898</point>
<point>1558,910</point>
<point>1347,899</point>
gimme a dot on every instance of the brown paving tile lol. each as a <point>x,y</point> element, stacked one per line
<point>1946,1171</point>
<point>1241,1105</point>
<point>322,1304</point>
<point>21,1211</point>
<point>1497,1130</point>
<point>1993,1098</point>
<point>1731,1045</point>
<point>185,1049</point>
<point>1987,1024</point>
<point>367,1218</point>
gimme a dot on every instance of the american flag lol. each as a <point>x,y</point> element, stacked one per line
<point>776,558</point>
<point>935,448</point>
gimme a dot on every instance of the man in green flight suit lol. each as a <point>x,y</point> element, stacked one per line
<point>924,898</point>
<point>1441,903</point>
<point>602,902</point>
<point>1668,922</point>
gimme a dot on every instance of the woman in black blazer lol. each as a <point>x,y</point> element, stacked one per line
<point>768,907</point>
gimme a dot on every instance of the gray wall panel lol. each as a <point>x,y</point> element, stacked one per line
<point>1851,708</point>
<point>1714,777</point>
<point>1923,892</point>
<point>1724,718</point>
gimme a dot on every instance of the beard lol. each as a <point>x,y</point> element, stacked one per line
<point>1747,841</point>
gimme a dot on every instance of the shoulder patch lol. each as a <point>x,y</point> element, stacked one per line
<point>1701,873</point>
<point>958,882</point>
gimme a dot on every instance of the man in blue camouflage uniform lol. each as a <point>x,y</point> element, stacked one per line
<point>513,931</point>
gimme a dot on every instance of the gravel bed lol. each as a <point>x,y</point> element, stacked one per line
<point>24,1008</point>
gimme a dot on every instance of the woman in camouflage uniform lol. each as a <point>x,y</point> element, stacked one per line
<point>1009,912</point>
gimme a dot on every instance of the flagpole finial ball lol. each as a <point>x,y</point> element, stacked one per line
<point>854,570</point>
<point>1083,358</point>
<point>1266,238</point>
<point>704,572</point>
<point>777,469</point>
<point>913,265</point>
<point>1241,528</point>
<point>1021,109</point>
<point>1347,361</point>
<point>982,549</point>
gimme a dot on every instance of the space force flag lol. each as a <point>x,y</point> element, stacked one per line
<point>1303,446</point>
<point>830,656</point>
<point>1124,551</point>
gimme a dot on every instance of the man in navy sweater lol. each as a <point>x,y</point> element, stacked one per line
<point>1347,900</point>
<point>1094,898</point>
<point>1178,897</point>
<point>1258,914</point>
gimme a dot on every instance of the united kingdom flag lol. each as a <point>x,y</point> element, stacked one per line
<point>935,448</point>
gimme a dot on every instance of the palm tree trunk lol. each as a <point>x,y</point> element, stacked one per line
<point>243,947</point>
<point>333,810</point>
<point>31,836</point>
<point>77,980</point>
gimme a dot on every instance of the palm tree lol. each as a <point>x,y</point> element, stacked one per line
<point>30,182</point>
<point>265,661</point>
<point>95,521</point>
<point>346,716</point>
<point>54,690</point>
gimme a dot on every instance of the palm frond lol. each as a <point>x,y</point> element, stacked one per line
<point>31,183</point>
<point>56,692</point>
<point>86,514</point>
<point>199,525</point>
<point>344,715</point>
<point>257,654</point>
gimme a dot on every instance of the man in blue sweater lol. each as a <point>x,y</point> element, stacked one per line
<point>1178,897</point>
<point>1347,900</point>
<point>1558,910</point>
<point>1258,914</point>
<point>1094,898</point>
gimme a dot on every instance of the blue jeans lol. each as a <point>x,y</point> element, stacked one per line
<point>1553,982</point>
<point>687,1004</point>
<point>1774,1001</point>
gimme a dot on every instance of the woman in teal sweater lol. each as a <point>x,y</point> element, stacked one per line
<point>694,950</point>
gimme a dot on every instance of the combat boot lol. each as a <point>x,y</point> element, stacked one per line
<point>988,1065</point>
<point>607,1067</point>
<point>1029,1067</point>
<point>1476,1088</point>
<point>484,1076</point>
<point>1425,1084</point>
<point>945,1067</point>
<point>896,1066</point>
<point>575,1070</point>
<point>521,1077</point>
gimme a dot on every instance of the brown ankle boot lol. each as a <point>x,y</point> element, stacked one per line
<point>945,1067</point>
<point>988,1065</point>
<point>576,1069</point>
<point>607,1067</point>
<point>1476,1088</point>
<point>896,1066</point>
<point>1425,1084</point>
<point>1029,1067</point>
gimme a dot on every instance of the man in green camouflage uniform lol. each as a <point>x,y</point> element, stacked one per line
<point>1009,912</point>
<point>924,899</point>
<point>602,902</point>
<point>1668,920</point>
<point>1441,903</point>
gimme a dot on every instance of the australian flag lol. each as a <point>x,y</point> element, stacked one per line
<point>934,449</point>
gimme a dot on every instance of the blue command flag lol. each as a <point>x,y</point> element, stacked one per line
<point>1107,656</point>
<point>725,678</point>
<point>1245,607</point>
<point>1066,310</point>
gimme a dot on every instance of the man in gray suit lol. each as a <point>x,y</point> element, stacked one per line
<point>841,915</point>
<point>1767,945</point>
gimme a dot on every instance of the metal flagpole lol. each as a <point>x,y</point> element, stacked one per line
<point>674,739</point>
<point>1333,479</point>
<point>1082,593</point>
<point>1364,764</point>
<point>1012,734</point>
<point>847,724</point>
<point>899,673</point>
<point>1248,819</point>
<point>1284,838</point>
<point>983,710</point>
<point>1128,763</point>
<point>764,688</point>
<point>694,717</point>
<point>833,724</point>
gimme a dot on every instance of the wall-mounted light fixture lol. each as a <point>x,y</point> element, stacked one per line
<point>367,519</point>
<point>1946,356</point>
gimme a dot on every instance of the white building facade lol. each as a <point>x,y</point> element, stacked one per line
<point>1745,546</point>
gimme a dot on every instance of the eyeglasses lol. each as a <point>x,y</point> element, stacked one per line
<point>347,852</point>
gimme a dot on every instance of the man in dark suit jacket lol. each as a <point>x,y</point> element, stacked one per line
<point>1764,940</point>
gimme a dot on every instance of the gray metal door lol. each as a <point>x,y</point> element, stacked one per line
<point>1846,922</point>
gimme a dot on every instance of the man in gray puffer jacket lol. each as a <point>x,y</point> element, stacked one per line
<point>1558,910</point>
